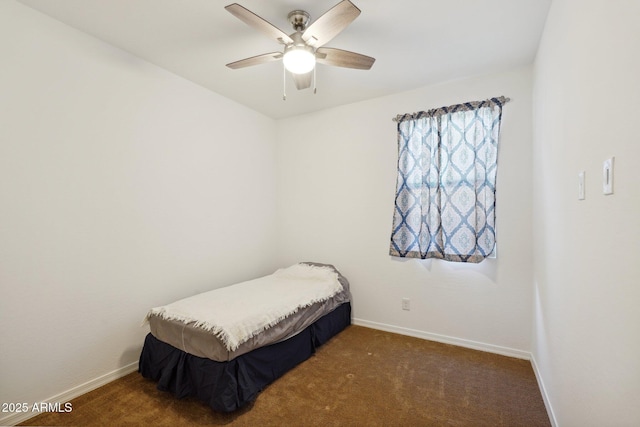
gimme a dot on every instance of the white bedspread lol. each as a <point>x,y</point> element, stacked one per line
<point>237,313</point>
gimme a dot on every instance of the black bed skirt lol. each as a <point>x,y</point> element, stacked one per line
<point>227,386</point>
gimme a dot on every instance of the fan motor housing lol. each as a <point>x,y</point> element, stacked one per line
<point>299,19</point>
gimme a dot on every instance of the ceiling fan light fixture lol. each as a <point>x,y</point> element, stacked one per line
<point>306,46</point>
<point>299,59</point>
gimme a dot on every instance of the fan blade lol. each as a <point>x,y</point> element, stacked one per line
<point>255,60</point>
<point>253,20</point>
<point>329,25</point>
<point>302,81</point>
<point>343,58</point>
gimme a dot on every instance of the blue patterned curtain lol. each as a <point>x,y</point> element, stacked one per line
<point>446,186</point>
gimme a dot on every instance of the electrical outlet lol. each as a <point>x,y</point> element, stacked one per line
<point>406,304</point>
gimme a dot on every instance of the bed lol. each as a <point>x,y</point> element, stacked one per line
<point>224,346</point>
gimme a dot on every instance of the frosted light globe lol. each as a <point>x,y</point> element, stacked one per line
<point>299,60</point>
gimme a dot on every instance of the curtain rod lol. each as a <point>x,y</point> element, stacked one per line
<point>501,100</point>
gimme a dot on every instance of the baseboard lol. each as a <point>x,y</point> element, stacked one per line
<point>543,392</point>
<point>505,351</point>
<point>72,393</point>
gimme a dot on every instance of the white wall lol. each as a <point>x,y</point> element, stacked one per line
<point>337,176</point>
<point>122,187</point>
<point>586,341</point>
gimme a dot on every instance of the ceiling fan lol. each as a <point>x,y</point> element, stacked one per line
<point>305,47</point>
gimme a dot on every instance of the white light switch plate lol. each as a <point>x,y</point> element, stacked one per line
<point>607,176</point>
<point>581,185</point>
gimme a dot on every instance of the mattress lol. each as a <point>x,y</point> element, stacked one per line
<point>190,338</point>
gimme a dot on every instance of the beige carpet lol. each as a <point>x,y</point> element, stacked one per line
<point>362,377</point>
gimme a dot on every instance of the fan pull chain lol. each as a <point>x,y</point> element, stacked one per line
<point>284,83</point>
<point>314,80</point>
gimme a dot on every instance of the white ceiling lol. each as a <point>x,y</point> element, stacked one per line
<point>415,42</point>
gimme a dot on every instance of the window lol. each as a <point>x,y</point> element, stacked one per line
<point>446,186</point>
